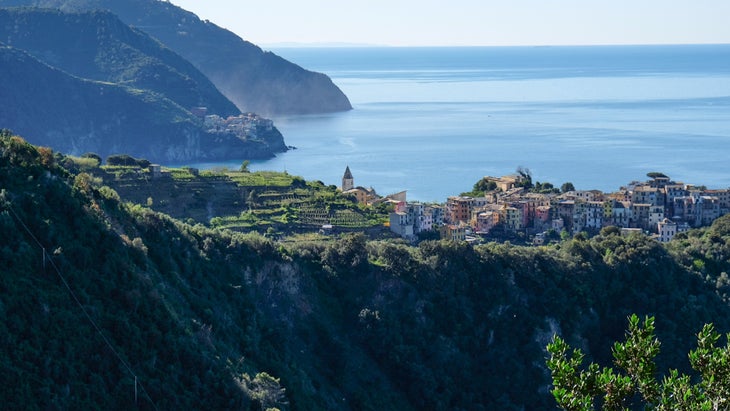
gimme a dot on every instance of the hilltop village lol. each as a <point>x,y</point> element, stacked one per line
<point>246,126</point>
<point>508,208</point>
<point>510,204</point>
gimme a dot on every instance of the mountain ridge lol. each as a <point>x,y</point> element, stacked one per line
<point>97,45</point>
<point>254,80</point>
<point>76,115</point>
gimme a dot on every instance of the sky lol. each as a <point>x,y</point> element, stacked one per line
<point>469,22</point>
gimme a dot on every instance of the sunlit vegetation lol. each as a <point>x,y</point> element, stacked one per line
<point>181,174</point>
<point>209,318</point>
<point>579,387</point>
<point>241,200</point>
<point>265,179</point>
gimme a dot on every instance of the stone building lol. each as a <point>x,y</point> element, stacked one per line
<point>348,183</point>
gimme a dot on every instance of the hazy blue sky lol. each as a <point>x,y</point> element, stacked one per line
<point>470,22</point>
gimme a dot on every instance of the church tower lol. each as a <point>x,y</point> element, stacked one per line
<point>348,183</point>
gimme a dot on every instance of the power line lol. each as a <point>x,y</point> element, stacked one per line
<point>78,302</point>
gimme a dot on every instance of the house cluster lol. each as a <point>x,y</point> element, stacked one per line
<point>407,220</point>
<point>246,126</point>
<point>658,207</point>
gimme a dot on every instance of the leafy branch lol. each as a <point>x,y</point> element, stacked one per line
<point>578,390</point>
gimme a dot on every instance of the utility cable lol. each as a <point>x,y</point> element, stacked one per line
<point>81,306</point>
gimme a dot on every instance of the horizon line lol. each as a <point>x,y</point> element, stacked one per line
<point>325,44</point>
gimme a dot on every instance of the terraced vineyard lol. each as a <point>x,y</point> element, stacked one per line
<point>264,201</point>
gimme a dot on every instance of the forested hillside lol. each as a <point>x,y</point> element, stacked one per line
<point>210,319</point>
<point>86,82</point>
<point>98,46</point>
<point>255,80</point>
<point>77,115</point>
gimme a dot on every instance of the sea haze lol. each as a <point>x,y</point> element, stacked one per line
<point>434,120</point>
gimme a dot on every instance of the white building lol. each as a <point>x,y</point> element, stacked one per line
<point>667,230</point>
<point>558,224</point>
<point>437,214</point>
<point>656,215</point>
<point>424,223</point>
<point>400,224</point>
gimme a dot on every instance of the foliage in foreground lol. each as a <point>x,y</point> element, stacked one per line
<point>212,319</point>
<point>577,389</point>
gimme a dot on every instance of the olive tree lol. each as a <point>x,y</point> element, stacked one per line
<point>584,388</point>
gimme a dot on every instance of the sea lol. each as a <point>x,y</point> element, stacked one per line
<point>433,121</point>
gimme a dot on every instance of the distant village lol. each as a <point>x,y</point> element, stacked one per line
<point>245,126</point>
<point>658,207</point>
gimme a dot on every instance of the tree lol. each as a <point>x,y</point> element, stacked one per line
<point>610,230</point>
<point>544,188</point>
<point>244,166</point>
<point>576,389</point>
<point>484,185</point>
<point>567,187</point>
<point>656,174</point>
<point>347,255</point>
<point>264,389</point>
<point>92,155</point>
<point>251,199</point>
<point>126,160</point>
<point>481,187</point>
<point>525,177</point>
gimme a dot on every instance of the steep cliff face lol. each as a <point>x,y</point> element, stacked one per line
<point>254,80</point>
<point>99,46</point>
<point>72,115</point>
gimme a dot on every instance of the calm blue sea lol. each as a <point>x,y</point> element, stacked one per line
<point>435,120</point>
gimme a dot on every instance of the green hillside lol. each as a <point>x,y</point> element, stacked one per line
<point>253,79</point>
<point>211,319</point>
<point>98,46</point>
<point>264,201</point>
<point>75,115</point>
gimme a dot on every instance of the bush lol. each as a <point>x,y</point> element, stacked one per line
<point>126,160</point>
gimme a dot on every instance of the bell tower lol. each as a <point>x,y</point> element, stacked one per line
<point>348,183</point>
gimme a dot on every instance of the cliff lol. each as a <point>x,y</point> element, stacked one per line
<point>74,115</point>
<point>99,46</point>
<point>255,80</point>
